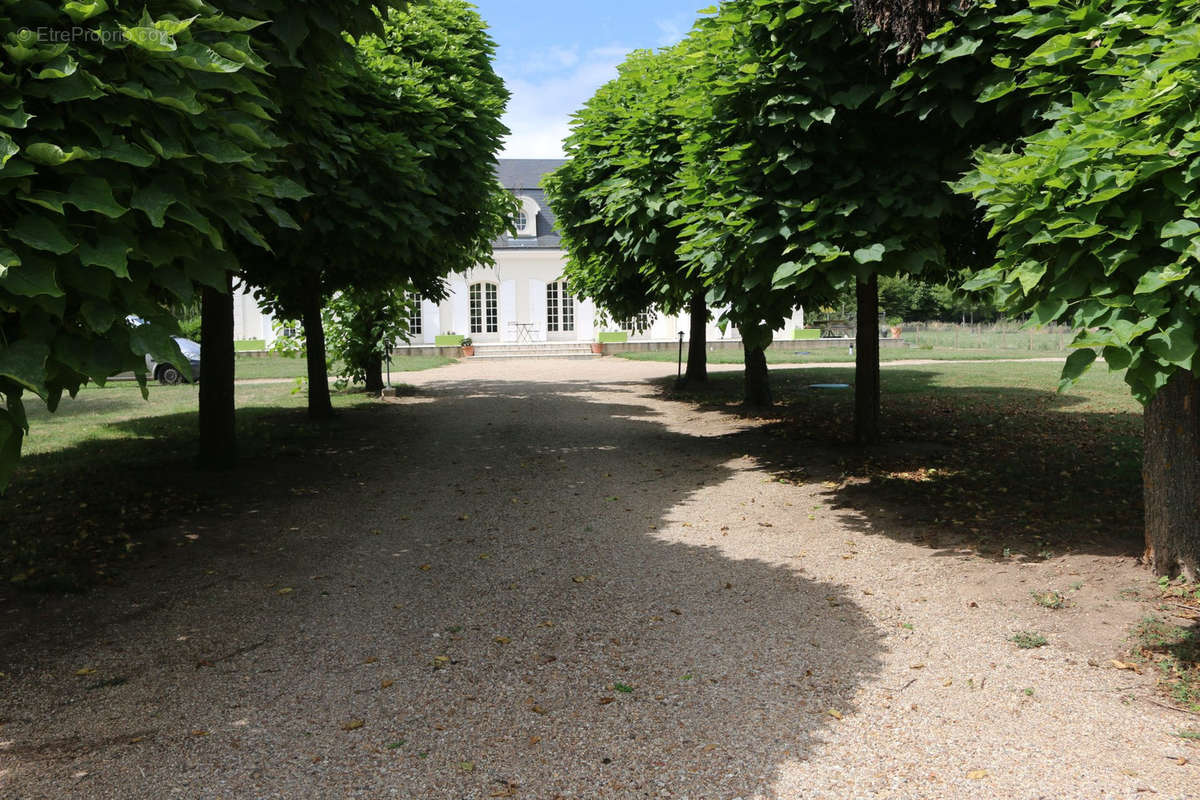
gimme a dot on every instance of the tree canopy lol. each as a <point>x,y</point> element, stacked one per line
<point>130,152</point>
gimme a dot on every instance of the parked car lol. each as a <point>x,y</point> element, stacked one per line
<point>171,375</point>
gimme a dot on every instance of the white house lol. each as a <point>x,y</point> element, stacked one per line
<point>524,297</point>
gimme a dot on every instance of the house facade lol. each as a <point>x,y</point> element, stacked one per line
<point>524,297</point>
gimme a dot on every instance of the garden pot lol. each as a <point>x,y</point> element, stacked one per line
<point>468,350</point>
<point>597,348</point>
<point>895,331</point>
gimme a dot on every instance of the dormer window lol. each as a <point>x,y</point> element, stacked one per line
<point>526,219</point>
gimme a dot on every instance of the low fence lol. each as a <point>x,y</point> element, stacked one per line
<point>990,336</point>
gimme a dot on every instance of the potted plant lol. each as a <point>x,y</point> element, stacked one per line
<point>598,348</point>
<point>468,347</point>
<point>895,330</point>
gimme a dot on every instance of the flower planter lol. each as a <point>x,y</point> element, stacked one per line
<point>806,333</point>
<point>895,331</point>
<point>598,348</point>
<point>467,350</point>
<point>613,337</point>
<point>448,340</point>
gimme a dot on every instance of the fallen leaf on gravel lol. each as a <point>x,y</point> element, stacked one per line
<point>534,739</point>
<point>579,578</point>
<point>833,712</point>
<point>917,666</point>
<point>606,700</point>
<point>199,733</point>
<point>353,724</point>
<point>1123,665</point>
<point>137,740</point>
<point>502,640</point>
<point>977,774</point>
<point>509,791</point>
<point>371,660</point>
<point>463,517</point>
<point>387,684</point>
<point>538,710</point>
<point>708,748</point>
<point>285,590</point>
<point>85,671</point>
<point>426,567</point>
<point>467,766</point>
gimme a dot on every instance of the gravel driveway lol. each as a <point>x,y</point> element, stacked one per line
<point>535,579</point>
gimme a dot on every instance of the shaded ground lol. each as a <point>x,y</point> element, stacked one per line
<point>538,580</point>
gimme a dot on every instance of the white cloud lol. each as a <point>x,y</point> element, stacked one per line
<point>547,88</point>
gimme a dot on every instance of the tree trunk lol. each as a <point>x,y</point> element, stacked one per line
<point>1171,478</point>
<point>697,360</point>
<point>758,385</point>
<point>218,437</point>
<point>319,405</point>
<point>374,374</point>
<point>866,363</point>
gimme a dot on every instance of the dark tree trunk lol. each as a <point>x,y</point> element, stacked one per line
<point>1171,478</point>
<point>697,359</point>
<point>866,364</point>
<point>218,437</point>
<point>374,374</point>
<point>758,386</point>
<point>319,405</point>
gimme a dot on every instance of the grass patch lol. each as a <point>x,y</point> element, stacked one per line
<point>796,353</point>
<point>1028,640</point>
<point>1174,651</point>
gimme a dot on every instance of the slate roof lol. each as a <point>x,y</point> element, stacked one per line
<point>523,176</point>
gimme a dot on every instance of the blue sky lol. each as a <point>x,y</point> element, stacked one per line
<point>554,55</point>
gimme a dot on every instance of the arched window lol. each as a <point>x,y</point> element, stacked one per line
<point>522,221</point>
<point>485,308</point>
<point>526,220</point>
<point>560,308</point>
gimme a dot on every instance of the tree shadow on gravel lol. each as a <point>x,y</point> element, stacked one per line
<point>472,597</point>
<point>1003,471</point>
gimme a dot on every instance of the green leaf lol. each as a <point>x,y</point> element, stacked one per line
<point>1048,311</point>
<point>109,252</point>
<point>81,11</point>
<point>153,201</point>
<point>42,234</point>
<point>1078,363</point>
<point>867,255</point>
<point>94,194</point>
<point>61,67</point>
<point>1181,227</point>
<point>196,56</point>
<point>8,148</point>
<point>51,155</point>
<point>966,46</point>
<point>1156,279</point>
<point>151,39</point>
<point>24,361</point>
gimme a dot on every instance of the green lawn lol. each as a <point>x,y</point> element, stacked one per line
<point>796,353</point>
<point>259,367</point>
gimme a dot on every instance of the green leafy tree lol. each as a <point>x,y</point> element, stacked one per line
<point>1095,217</point>
<point>131,161</point>
<point>806,183</point>
<point>360,327</point>
<point>619,198</point>
<point>400,160</point>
